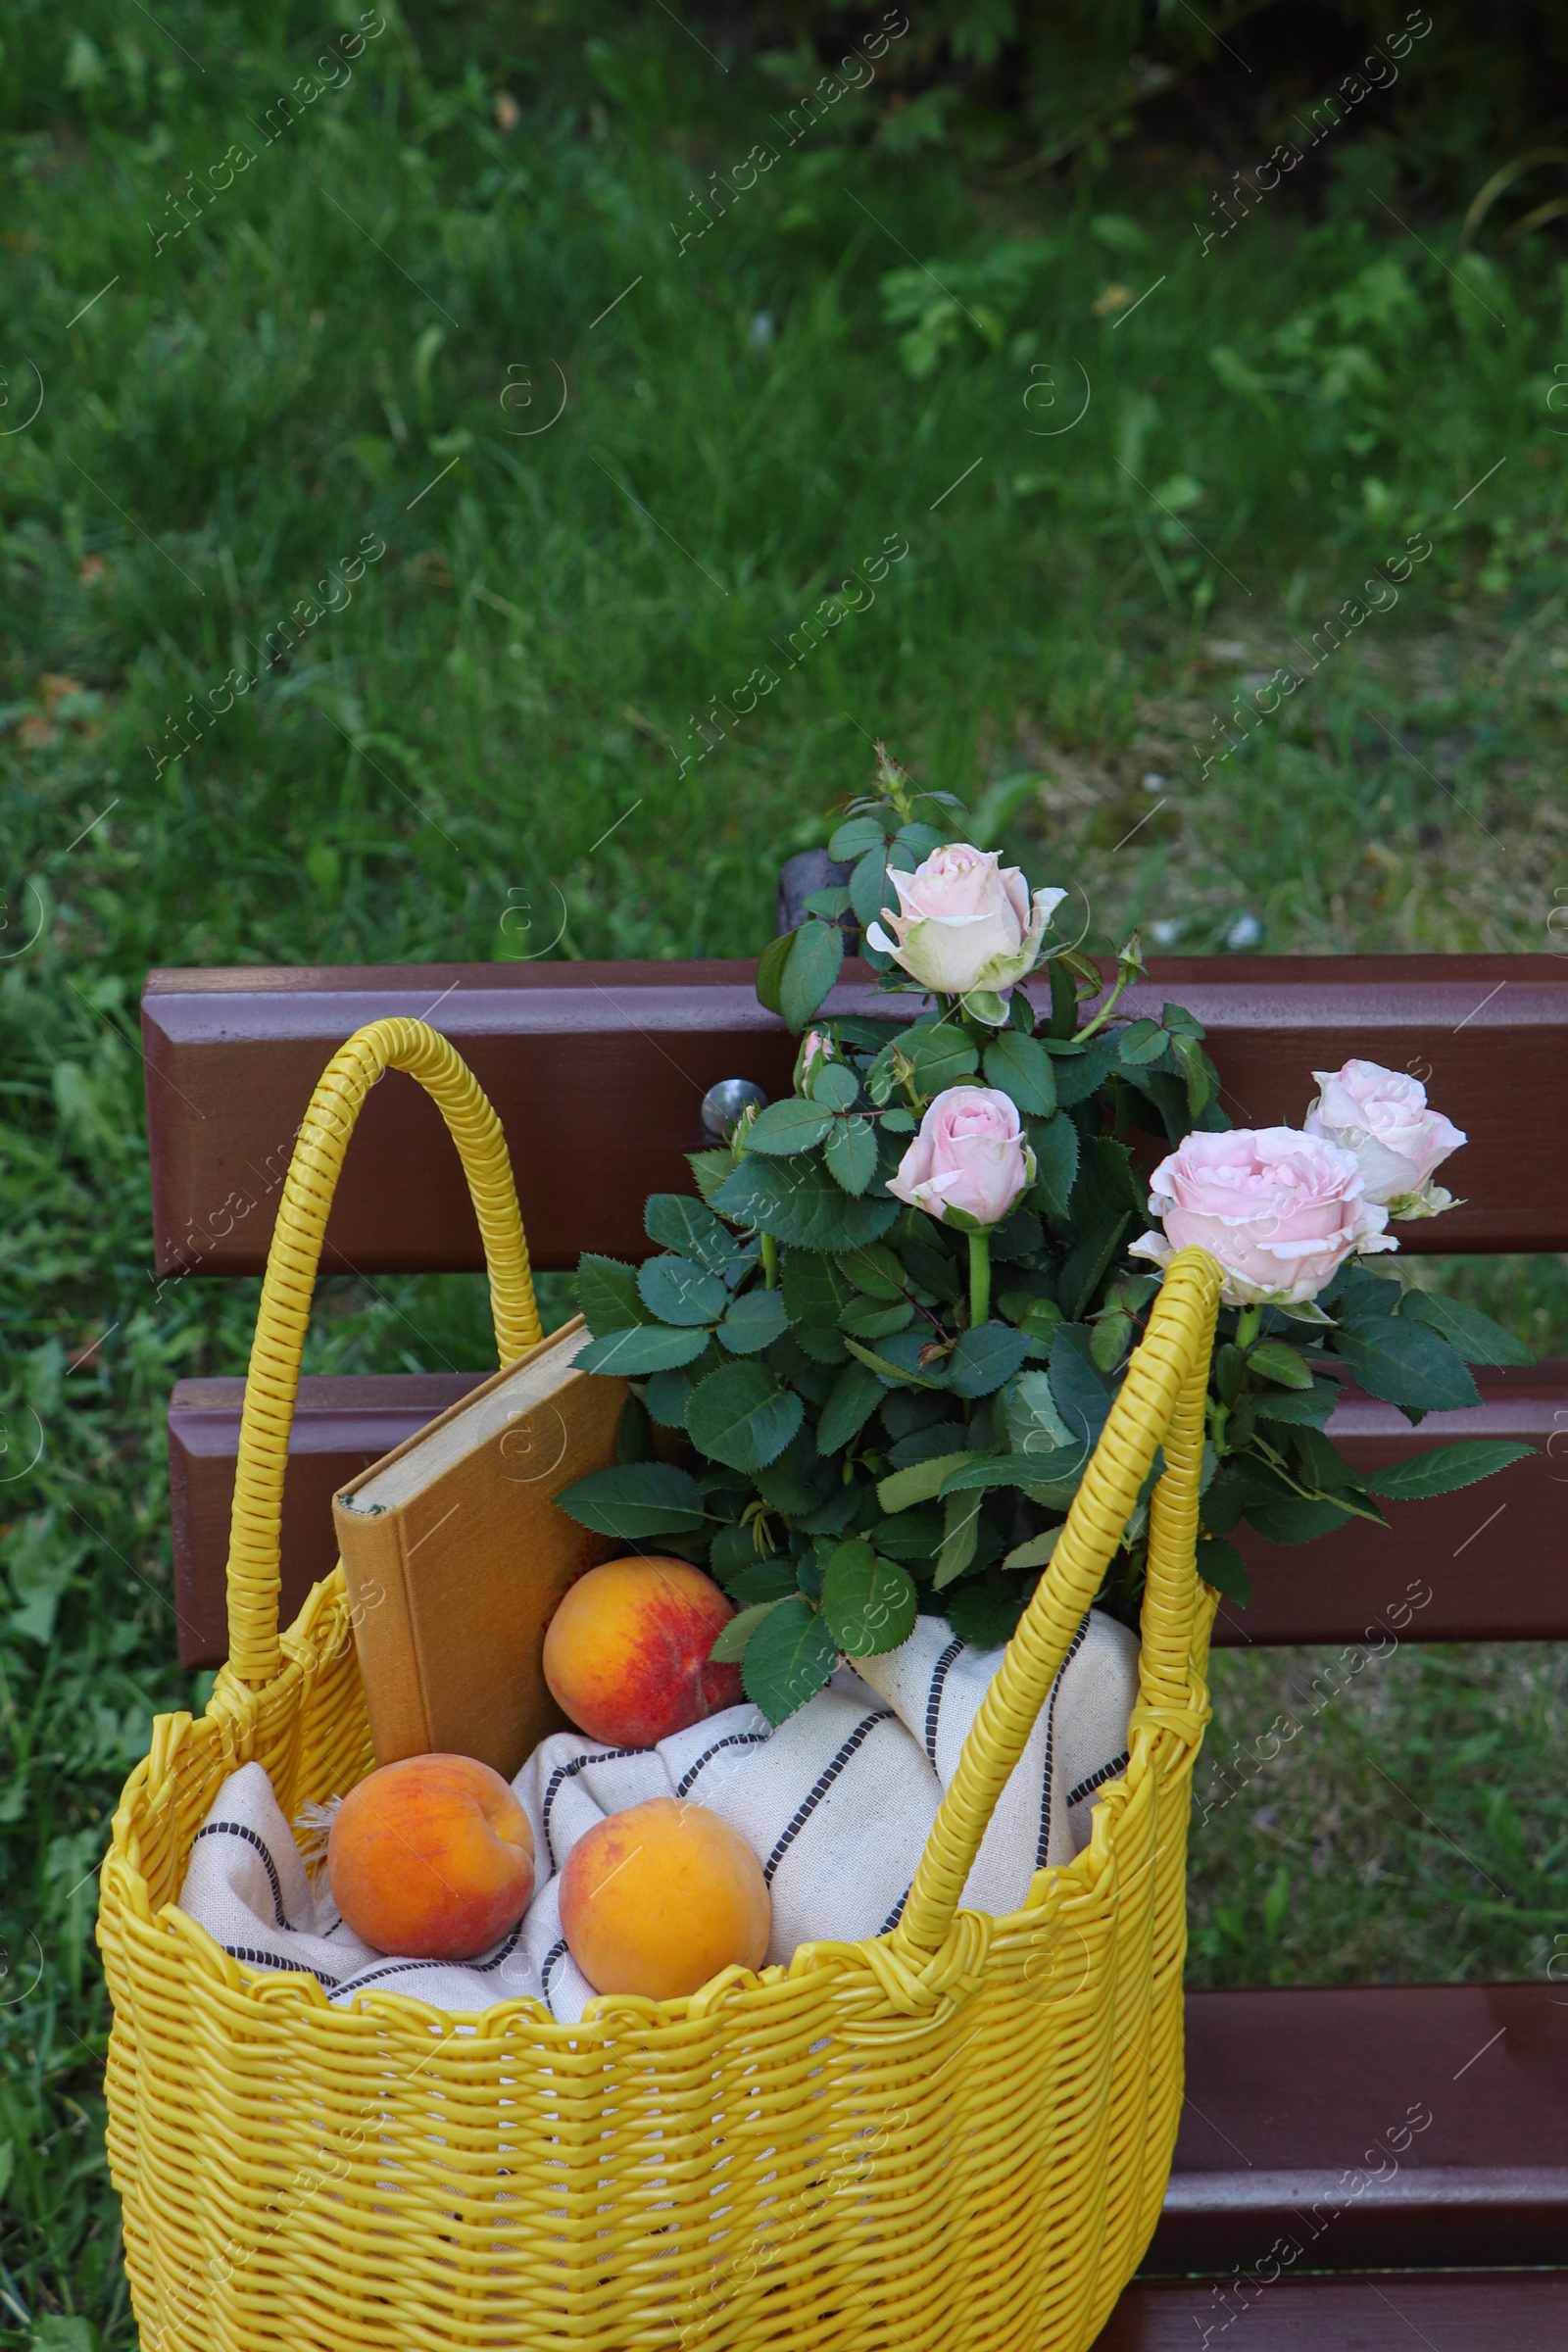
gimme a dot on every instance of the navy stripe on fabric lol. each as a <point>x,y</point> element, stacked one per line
<point>393,1967</point>
<point>734,1739</point>
<point>1050,1736</point>
<point>569,1772</point>
<point>237,1829</point>
<point>933,1705</point>
<point>896,1914</point>
<point>1106,1771</point>
<point>556,1952</point>
<point>482,1967</point>
<point>297,1968</point>
<point>819,1789</point>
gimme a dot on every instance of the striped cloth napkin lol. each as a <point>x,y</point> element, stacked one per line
<point>835,1803</point>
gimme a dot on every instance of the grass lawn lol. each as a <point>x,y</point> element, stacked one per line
<point>549,691</point>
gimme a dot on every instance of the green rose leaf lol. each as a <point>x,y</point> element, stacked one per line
<point>986,1612</point>
<point>608,1295</point>
<point>922,1481</point>
<point>942,1054</point>
<point>1036,1553</point>
<point>1406,1362</point>
<point>1280,1362</point>
<point>1080,1073</point>
<point>1296,1522</point>
<point>634,1500</point>
<point>741,1416</point>
<point>852,1401</point>
<point>669,1394</point>
<point>851,1153</point>
<point>809,971</point>
<point>690,1227</point>
<point>870,1319</point>
<point>1024,1071</point>
<point>755,1321</point>
<point>987,1470</point>
<point>783,1128</point>
<point>788,1658</point>
<point>647,1348</point>
<point>1305,1408</point>
<point>1140,1042</point>
<point>855,838</point>
<point>759,1580</point>
<point>869,1605</point>
<point>984,1357</point>
<point>1081,1397</point>
<point>731,1642</point>
<point>1474,1335</point>
<point>678,1292</point>
<point>832,1084</point>
<point>960,1536</point>
<point>770,970</point>
<point>1444,1469</point>
<point>1221,1565</point>
<point>876,1270</point>
<point>801,1204</point>
<point>1056,1151</point>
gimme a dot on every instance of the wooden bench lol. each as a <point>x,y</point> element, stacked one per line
<point>1291,2092</point>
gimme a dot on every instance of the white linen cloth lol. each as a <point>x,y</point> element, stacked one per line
<point>835,1804</point>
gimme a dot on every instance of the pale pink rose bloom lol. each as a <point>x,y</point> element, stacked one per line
<point>1382,1116</point>
<point>970,1154</point>
<point>965,923</point>
<point>1281,1211</point>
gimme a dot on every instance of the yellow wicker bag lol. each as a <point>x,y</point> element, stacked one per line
<point>950,2138</point>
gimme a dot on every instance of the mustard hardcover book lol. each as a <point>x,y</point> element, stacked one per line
<point>456,1557</point>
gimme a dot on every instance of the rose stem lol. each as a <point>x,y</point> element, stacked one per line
<point>1247,1323</point>
<point>769,1261</point>
<point>979,1279</point>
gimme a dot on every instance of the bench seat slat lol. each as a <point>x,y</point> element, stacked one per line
<point>597,1071</point>
<point>1296,2094</point>
<point>1485,1563</point>
<point>1498,2312</point>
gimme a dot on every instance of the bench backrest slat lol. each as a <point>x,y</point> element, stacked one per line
<point>598,1073</point>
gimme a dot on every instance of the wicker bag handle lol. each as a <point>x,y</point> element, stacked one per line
<point>1161,1401</point>
<point>272,1381</point>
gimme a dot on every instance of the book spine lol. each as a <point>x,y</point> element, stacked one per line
<point>375,1571</point>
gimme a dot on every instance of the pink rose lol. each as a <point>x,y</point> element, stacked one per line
<point>970,1154</point>
<point>967,923</point>
<point>1383,1117</point>
<point>1281,1211</point>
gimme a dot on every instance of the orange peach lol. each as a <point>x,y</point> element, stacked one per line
<point>433,1857</point>
<point>658,1898</point>
<point>627,1652</point>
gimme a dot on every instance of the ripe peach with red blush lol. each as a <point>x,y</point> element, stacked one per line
<point>433,1857</point>
<point>627,1652</point>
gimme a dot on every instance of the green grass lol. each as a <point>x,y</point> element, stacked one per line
<point>472,758</point>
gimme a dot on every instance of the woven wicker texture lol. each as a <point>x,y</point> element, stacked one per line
<point>954,2137</point>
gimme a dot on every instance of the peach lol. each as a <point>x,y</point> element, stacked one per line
<point>433,1857</point>
<point>658,1898</point>
<point>627,1652</point>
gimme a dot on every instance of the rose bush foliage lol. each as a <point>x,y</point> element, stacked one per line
<point>877,1350</point>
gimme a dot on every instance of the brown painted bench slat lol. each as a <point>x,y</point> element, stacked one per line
<point>1487,1563</point>
<point>612,1061</point>
<point>1497,2312</point>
